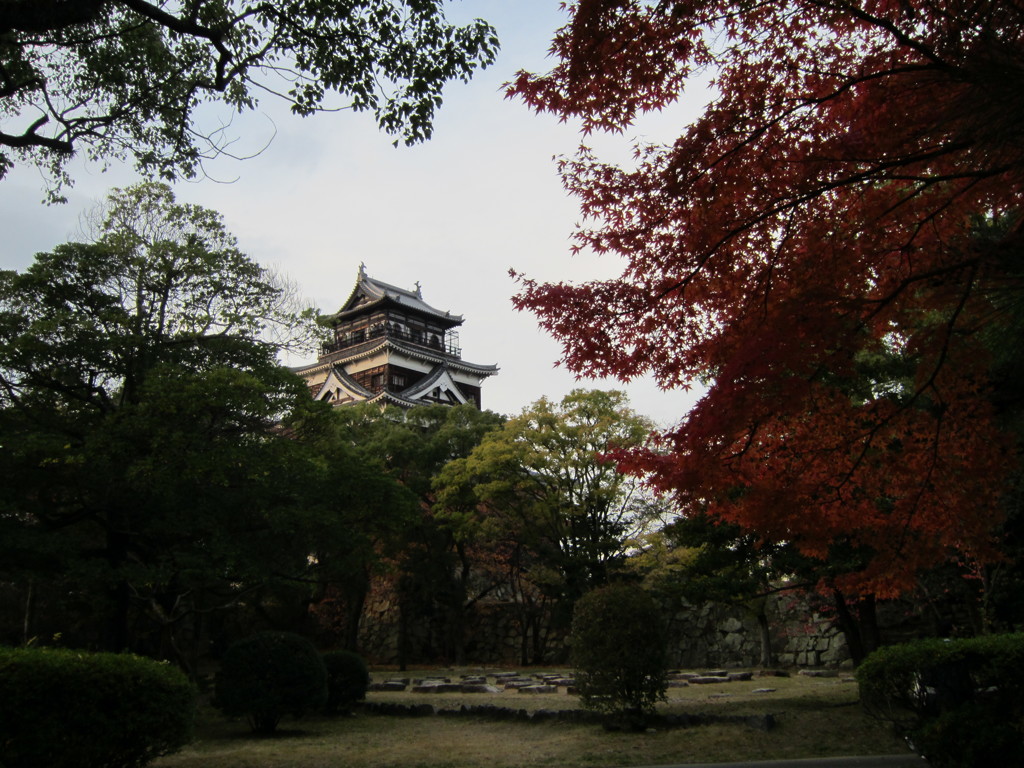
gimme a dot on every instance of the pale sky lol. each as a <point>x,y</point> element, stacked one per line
<point>330,192</point>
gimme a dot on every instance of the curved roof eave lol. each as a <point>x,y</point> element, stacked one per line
<point>409,351</point>
<point>378,292</point>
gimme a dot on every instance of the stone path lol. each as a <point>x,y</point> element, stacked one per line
<point>496,682</point>
<point>549,683</point>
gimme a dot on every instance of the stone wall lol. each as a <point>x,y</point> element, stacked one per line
<point>713,635</point>
<point>702,636</point>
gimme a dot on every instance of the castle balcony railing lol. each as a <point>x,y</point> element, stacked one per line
<point>446,344</point>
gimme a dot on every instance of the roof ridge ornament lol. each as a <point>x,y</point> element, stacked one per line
<point>419,290</point>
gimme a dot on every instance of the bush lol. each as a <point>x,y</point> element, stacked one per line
<point>268,675</point>
<point>959,702</point>
<point>347,680</point>
<point>618,649</point>
<point>72,709</point>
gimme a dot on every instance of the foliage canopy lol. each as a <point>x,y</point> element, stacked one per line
<point>139,393</point>
<point>823,246</point>
<point>131,78</point>
<point>548,479</point>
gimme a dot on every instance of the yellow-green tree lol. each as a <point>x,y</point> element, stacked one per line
<point>547,489</point>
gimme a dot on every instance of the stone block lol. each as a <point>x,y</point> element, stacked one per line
<point>438,688</point>
<point>392,686</point>
<point>682,675</point>
<point>479,688</point>
<point>731,625</point>
<point>733,641</point>
<point>539,689</point>
<point>517,682</point>
<point>708,679</point>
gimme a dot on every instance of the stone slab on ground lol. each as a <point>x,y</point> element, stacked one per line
<point>564,682</point>
<point>683,675</point>
<point>390,686</point>
<point>819,672</point>
<point>431,687</point>
<point>518,682</point>
<point>708,680</point>
<point>479,688</point>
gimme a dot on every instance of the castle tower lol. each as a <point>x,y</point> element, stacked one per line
<point>391,347</point>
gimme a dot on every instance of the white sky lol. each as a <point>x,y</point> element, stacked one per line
<point>455,213</point>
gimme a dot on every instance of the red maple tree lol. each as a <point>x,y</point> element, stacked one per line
<point>827,245</point>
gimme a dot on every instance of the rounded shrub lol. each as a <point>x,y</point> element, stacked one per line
<point>618,650</point>
<point>71,709</point>
<point>268,675</point>
<point>347,680</point>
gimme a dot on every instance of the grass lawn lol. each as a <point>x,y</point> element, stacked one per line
<point>816,717</point>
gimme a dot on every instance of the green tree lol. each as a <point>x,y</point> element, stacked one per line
<point>434,568</point>
<point>126,78</point>
<point>547,485</point>
<point>139,393</point>
<point>352,516</point>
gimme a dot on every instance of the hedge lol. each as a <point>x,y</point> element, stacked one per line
<point>619,652</point>
<point>73,709</point>
<point>959,702</point>
<point>268,675</point>
<point>347,680</point>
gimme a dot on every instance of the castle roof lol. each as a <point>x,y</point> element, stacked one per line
<point>370,293</point>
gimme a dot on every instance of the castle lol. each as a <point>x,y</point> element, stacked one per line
<point>390,347</point>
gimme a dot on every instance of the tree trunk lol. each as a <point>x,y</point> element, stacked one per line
<point>849,627</point>
<point>26,625</point>
<point>119,596</point>
<point>765,630</point>
<point>871,638</point>
<point>354,605</point>
<point>861,633</point>
<point>460,607</point>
